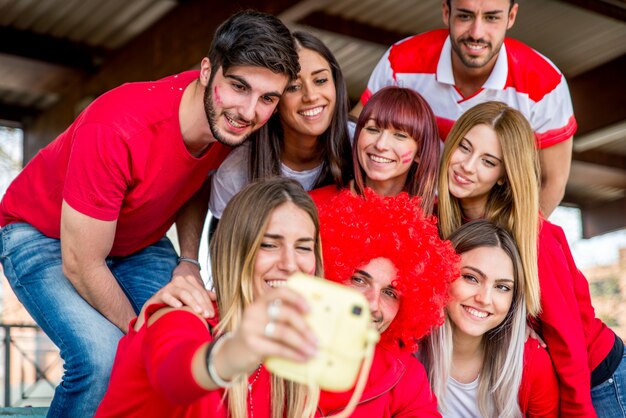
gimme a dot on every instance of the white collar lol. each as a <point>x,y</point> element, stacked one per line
<point>496,80</point>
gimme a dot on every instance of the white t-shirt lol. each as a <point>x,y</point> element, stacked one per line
<point>461,400</point>
<point>232,176</point>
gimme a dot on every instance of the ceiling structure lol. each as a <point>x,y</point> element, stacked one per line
<point>57,55</point>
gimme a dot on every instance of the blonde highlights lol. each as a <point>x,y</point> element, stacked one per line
<point>501,370</point>
<point>234,249</point>
<point>513,204</point>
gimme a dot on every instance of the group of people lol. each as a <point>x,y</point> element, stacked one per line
<point>480,307</point>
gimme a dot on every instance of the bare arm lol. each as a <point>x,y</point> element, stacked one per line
<point>555,166</point>
<point>186,287</point>
<point>85,244</point>
<point>190,221</point>
<point>356,110</point>
<point>249,346</point>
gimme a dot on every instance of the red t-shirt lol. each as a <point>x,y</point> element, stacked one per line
<point>147,379</point>
<point>123,158</point>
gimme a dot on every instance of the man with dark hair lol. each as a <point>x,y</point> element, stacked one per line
<point>471,63</point>
<point>83,238</point>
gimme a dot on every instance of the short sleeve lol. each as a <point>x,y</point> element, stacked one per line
<point>98,173</point>
<point>552,117</point>
<point>382,76</point>
<point>230,178</point>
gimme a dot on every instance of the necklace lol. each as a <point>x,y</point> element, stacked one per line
<point>256,377</point>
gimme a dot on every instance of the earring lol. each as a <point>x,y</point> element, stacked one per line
<point>500,182</point>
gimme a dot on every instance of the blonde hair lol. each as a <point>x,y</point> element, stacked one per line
<point>513,204</point>
<point>503,347</point>
<point>233,250</point>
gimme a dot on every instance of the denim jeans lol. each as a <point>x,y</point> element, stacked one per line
<point>86,339</point>
<point>609,397</point>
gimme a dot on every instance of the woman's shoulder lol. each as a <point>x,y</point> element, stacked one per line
<point>237,160</point>
<point>323,194</point>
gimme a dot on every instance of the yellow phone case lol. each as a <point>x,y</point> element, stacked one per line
<point>341,320</point>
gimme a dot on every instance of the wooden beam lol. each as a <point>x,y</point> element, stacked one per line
<point>598,96</point>
<point>352,28</point>
<point>16,114</point>
<point>175,43</point>
<point>604,218</point>
<point>601,158</point>
<point>49,49</point>
<point>615,9</point>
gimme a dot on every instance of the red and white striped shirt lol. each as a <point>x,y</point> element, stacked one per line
<point>521,78</point>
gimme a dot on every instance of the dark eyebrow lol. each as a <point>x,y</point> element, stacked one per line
<point>481,274</point>
<point>488,155</point>
<point>471,12</point>
<point>279,237</point>
<point>363,273</point>
<point>247,85</point>
<point>239,79</point>
<point>369,276</point>
<point>320,71</point>
<point>476,270</point>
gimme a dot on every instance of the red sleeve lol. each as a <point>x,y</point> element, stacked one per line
<point>539,392</point>
<point>413,394</point>
<point>562,325</point>
<point>169,346</point>
<point>98,172</point>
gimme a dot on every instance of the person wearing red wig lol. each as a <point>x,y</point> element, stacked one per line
<point>388,250</point>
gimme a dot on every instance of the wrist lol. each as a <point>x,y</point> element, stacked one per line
<point>213,357</point>
<point>190,261</point>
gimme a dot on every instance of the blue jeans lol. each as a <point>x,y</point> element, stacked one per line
<point>87,340</point>
<point>609,397</point>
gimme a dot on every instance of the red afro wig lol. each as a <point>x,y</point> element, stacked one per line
<point>356,229</point>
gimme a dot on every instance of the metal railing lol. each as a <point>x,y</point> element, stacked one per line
<point>38,359</point>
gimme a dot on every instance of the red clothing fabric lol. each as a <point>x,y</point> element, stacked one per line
<point>123,158</point>
<point>323,194</point>
<point>539,391</point>
<point>147,379</point>
<point>397,387</point>
<point>577,341</point>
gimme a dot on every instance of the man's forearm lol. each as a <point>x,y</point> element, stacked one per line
<point>190,221</point>
<point>550,196</point>
<point>100,289</point>
<point>555,167</point>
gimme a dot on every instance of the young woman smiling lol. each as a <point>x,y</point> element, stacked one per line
<point>396,148</point>
<point>307,138</point>
<point>477,361</point>
<point>173,363</point>
<point>489,170</point>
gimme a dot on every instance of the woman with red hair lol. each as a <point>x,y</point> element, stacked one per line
<point>396,148</point>
<point>404,270</point>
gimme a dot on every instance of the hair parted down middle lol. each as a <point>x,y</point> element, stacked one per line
<point>356,229</point>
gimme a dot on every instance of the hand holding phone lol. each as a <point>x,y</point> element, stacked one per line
<point>341,320</point>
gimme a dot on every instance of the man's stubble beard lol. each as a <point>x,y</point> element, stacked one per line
<point>212,117</point>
